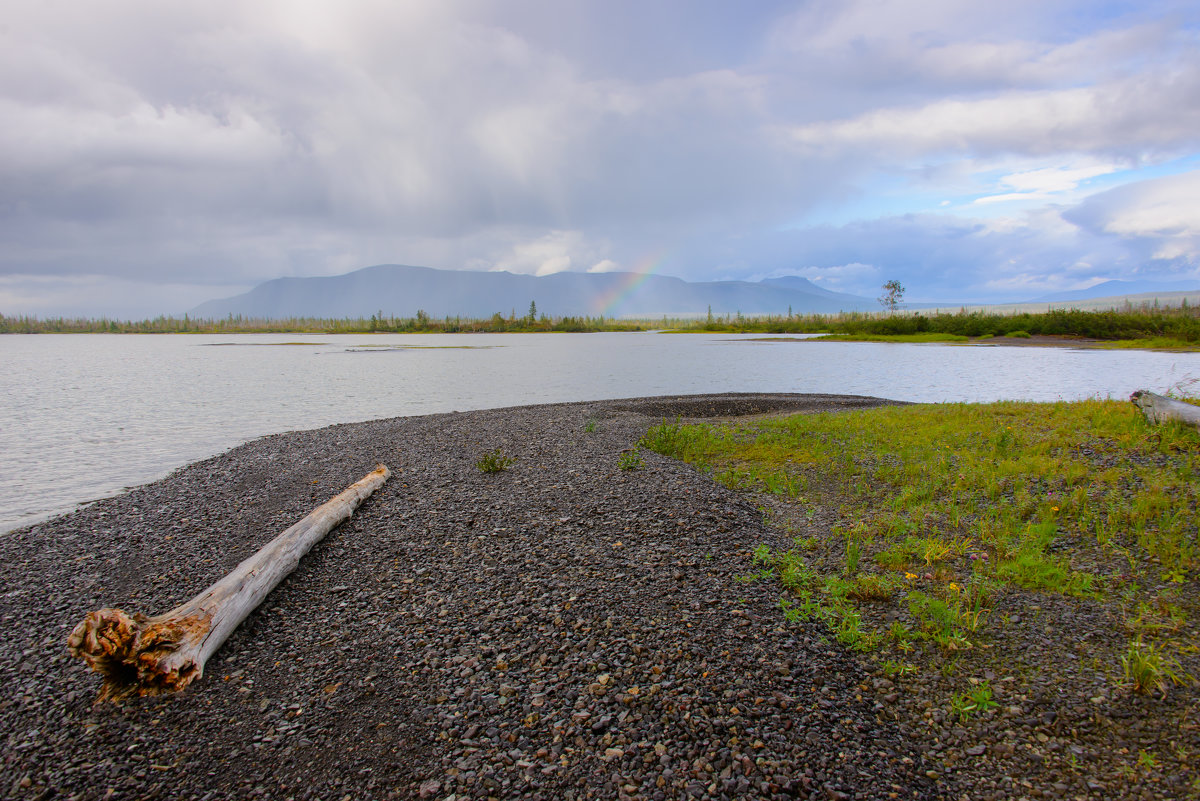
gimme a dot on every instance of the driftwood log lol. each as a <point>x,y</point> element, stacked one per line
<point>1159,408</point>
<point>139,655</point>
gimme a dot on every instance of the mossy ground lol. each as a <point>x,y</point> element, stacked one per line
<point>997,546</point>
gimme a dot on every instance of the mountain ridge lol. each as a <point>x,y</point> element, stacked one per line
<point>1116,288</point>
<point>400,290</point>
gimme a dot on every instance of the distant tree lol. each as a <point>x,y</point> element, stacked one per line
<point>532,311</point>
<point>893,293</point>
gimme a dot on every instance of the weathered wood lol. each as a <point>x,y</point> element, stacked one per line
<point>1159,408</point>
<point>139,655</point>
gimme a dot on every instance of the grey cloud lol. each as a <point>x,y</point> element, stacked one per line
<point>225,143</point>
<point>942,257</point>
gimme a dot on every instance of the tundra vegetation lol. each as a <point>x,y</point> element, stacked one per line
<point>1149,326</point>
<point>993,545</point>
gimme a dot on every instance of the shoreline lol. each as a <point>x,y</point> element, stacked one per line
<point>566,628</point>
<point>532,633</point>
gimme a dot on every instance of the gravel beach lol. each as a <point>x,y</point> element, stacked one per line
<point>563,629</point>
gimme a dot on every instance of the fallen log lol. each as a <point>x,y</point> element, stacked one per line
<point>1159,408</point>
<point>139,655</point>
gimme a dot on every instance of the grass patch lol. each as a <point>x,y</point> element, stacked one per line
<point>494,462</point>
<point>1151,343</point>
<point>927,336</point>
<point>943,512</point>
<point>1147,668</point>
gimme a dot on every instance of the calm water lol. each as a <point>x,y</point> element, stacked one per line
<point>84,416</point>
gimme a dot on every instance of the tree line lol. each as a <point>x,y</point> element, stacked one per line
<point>1182,324</point>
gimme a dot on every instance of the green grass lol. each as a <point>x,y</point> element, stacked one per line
<point>1169,327</point>
<point>1147,668</point>
<point>944,509</point>
<point>1152,343</point>
<point>921,337</point>
<point>932,483</point>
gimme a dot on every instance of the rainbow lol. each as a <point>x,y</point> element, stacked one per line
<point>628,283</point>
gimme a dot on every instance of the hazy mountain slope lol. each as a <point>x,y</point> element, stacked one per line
<point>1116,289</point>
<point>400,290</point>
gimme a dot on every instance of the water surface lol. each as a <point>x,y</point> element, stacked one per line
<point>86,415</point>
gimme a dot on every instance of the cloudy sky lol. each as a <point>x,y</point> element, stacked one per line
<point>155,154</point>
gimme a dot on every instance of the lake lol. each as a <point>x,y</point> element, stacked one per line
<point>87,415</point>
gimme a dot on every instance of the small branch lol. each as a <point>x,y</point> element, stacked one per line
<point>139,655</point>
<point>1159,408</point>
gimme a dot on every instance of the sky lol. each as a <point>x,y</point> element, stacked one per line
<point>155,155</point>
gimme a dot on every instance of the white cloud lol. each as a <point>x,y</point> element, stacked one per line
<point>1048,180</point>
<point>1162,215</point>
<point>852,277</point>
<point>913,50</point>
<point>553,253</point>
<point>1044,183</point>
<point>1131,117</point>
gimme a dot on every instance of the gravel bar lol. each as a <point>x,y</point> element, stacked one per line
<point>563,629</point>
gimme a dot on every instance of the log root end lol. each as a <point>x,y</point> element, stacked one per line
<point>137,655</point>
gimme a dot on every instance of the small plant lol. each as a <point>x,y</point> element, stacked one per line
<point>1018,334</point>
<point>794,574</point>
<point>631,460</point>
<point>893,669</point>
<point>952,641</point>
<point>1147,668</point>
<point>1034,570</point>
<point>853,554</point>
<point>872,587</point>
<point>932,613</point>
<point>974,603</point>
<point>934,550</point>
<point>977,699</point>
<point>1176,575</point>
<point>494,462</point>
<point>901,634</point>
<point>790,613</point>
<point>895,558</point>
<point>589,427</point>
<point>848,631</point>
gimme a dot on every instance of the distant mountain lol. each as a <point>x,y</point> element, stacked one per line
<point>400,290</point>
<point>1115,288</point>
<point>798,284</point>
